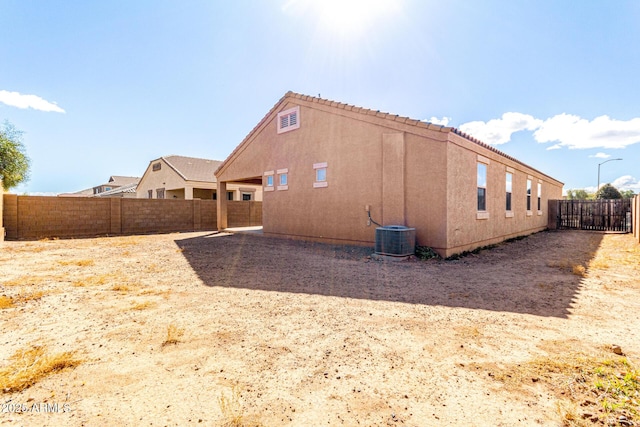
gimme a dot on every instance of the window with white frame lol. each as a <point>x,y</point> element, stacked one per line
<point>268,181</point>
<point>321,175</point>
<point>539,196</point>
<point>283,179</point>
<point>509,185</point>
<point>246,197</point>
<point>160,193</point>
<point>482,186</point>
<point>528,194</point>
<point>289,120</point>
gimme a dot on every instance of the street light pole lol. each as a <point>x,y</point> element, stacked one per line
<point>610,160</point>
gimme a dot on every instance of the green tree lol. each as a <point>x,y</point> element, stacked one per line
<point>579,195</point>
<point>627,194</point>
<point>608,191</point>
<point>14,163</point>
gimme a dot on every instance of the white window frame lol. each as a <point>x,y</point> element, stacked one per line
<point>529,182</point>
<point>539,197</point>
<point>509,192</point>
<point>283,173</point>
<point>285,119</point>
<point>320,183</point>
<point>268,186</point>
<point>481,160</point>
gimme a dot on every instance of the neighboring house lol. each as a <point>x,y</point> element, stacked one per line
<point>328,168</point>
<point>114,183</point>
<point>116,186</point>
<point>127,191</point>
<point>179,177</point>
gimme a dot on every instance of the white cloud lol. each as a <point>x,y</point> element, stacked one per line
<point>627,182</point>
<point>566,130</point>
<point>16,99</point>
<point>499,131</point>
<point>599,155</point>
<point>444,121</point>
<point>575,132</point>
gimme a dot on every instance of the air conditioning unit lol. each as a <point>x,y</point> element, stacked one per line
<point>395,240</point>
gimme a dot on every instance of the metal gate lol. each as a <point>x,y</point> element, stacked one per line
<point>601,215</point>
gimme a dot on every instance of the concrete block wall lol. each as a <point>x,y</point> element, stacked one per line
<point>244,214</point>
<point>35,217</point>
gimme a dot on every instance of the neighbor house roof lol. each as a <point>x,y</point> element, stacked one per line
<point>365,112</point>
<point>192,168</point>
<point>122,180</point>
<point>127,188</point>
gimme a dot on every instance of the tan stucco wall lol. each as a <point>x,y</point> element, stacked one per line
<point>405,174</point>
<point>467,230</point>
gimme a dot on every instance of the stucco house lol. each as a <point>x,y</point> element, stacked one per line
<point>180,177</point>
<point>328,170</point>
<point>126,191</point>
<point>116,186</point>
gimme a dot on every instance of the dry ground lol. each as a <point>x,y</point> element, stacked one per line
<point>206,329</point>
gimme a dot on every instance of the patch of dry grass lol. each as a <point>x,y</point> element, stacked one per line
<point>592,388</point>
<point>569,266</point>
<point>5,302</point>
<point>174,334</point>
<point>28,280</point>
<point>233,413</point>
<point>578,270</point>
<point>20,298</point>
<point>29,365</point>
<point>78,262</point>
<point>100,279</point>
<point>139,306</point>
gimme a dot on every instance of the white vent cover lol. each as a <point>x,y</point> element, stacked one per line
<point>395,240</point>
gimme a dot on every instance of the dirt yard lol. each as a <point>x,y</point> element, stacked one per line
<point>208,329</point>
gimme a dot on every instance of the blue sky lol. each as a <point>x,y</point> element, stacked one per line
<point>102,88</point>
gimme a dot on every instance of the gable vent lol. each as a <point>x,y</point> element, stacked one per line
<point>289,120</point>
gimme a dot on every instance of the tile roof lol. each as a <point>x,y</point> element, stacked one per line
<point>377,113</point>
<point>193,168</point>
<point>127,188</point>
<point>122,180</point>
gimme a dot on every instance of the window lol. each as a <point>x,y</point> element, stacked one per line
<point>246,196</point>
<point>229,195</point>
<point>160,193</point>
<point>268,181</point>
<point>528,194</point>
<point>156,167</point>
<point>482,187</point>
<point>215,195</point>
<point>283,179</point>
<point>539,196</point>
<point>150,194</point>
<point>289,120</point>
<point>509,182</point>
<point>321,175</point>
